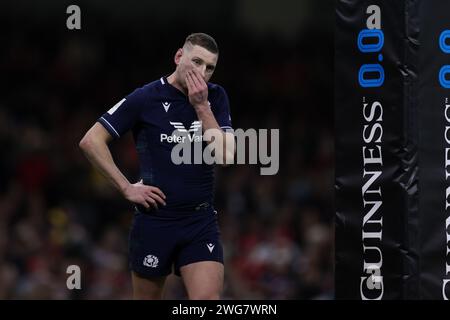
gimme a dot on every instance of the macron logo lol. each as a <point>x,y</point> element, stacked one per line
<point>166,105</point>
<point>210,247</point>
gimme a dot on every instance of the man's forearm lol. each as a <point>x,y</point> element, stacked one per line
<point>209,122</point>
<point>100,156</point>
<point>207,118</point>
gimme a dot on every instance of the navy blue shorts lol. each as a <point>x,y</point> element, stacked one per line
<point>164,242</point>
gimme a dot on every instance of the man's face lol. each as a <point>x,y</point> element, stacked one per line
<point>195,57</point>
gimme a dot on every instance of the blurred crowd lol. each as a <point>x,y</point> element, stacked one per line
<point>56,210</point>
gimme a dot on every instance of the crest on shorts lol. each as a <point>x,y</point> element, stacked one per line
<point>151,261</point>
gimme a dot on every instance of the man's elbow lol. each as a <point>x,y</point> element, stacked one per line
<point>85,143</point>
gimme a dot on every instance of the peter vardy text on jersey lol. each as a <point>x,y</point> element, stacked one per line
<point>180,139</point>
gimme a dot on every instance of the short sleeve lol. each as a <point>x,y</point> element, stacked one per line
<point>124,114</point>
<point>221,110</point>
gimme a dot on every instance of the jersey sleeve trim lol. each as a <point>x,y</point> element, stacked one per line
<point>109,127</point>
<point>227,129</point>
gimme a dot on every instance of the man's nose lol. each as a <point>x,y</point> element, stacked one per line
<point>202,71</point>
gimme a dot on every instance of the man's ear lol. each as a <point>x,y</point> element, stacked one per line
<point>178,56</point>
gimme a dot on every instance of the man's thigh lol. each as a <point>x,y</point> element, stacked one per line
<point>203,280</point>
<point>147,288</point>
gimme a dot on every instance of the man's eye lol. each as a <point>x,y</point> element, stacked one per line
<point>196,61</point>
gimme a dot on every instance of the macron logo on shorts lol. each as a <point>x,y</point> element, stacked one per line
<point>210,247</point>
<point>151,261</point>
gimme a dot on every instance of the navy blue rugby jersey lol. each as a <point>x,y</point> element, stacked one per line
<point>153,113</point>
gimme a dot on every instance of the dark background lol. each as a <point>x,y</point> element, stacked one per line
<point>276,63</point>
